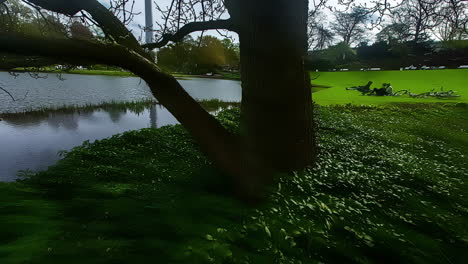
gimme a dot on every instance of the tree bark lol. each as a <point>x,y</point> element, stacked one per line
<point>277,127</point>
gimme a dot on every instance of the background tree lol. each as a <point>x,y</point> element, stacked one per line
<point>319,35</point>
<point>13,16</point>
<point>80,31</point>
<point>395,33</point>
<point>452,20</point>
<point>177,57</point>
<point>350,26</point>
<point>207,54</point>
<point>419,15</point>
<point>340,53</point>
<point>232,54</point>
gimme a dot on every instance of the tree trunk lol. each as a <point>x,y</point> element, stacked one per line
<point>277,128</point>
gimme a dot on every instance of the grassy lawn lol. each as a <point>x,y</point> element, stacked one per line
<point>416,81</point>
<point>221,75</point>
<point>390,187</point>
<point>83,72</point>
<point>103,72</point>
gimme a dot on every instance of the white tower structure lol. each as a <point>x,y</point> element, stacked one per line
<point>149,21</point>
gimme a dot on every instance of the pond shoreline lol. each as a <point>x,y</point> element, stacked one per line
<point>135,106</point>
<point>123,74</point>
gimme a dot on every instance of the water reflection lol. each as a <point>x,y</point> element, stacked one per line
<point>31,141</point>
<point>153,117</point>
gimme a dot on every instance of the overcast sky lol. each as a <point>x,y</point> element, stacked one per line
<point>140,19</point>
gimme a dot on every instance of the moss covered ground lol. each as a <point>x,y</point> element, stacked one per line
<point>418,81</point>
<point>390,187</point>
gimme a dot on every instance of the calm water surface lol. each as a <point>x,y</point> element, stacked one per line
<point>32,141</point>
<point>51,91</point>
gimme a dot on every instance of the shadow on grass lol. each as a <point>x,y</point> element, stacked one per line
<point>116,222</point>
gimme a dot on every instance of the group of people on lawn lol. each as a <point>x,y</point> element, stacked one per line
<point>385,90</point>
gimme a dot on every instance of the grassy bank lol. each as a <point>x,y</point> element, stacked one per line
<point>103,72</point>
<point>82,72</point>
<point>390,187</point>
<point>134,106</point>
<point>416,81</point>
<point>221,75</point>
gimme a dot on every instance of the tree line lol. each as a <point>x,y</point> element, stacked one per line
<point>389,55</point>
<point>418,32</point>
<point>199,56</point>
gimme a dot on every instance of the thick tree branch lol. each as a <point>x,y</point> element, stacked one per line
<point>109,23</point>
<point>214,140</point>
<point>190,28</point>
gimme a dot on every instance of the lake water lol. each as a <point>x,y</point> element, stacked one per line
<point>51,91</point>
<point>32,141</point>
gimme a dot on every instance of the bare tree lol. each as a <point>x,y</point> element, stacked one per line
<point>452,20</point>
<point>419,15</point>
<point>351,26</point>
<point>318,34</point>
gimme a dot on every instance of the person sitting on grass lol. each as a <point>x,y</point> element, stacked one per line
<point>364,89</point>
<point>389,89</point>
<point>386,90</point>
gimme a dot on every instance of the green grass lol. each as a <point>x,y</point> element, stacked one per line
<point>415,81</point>
<point>81,72</point>
<point>212,105</point>
<point>133,106</point>
<point>230,75</point>
<point>390,187</point>
<point>103,72</point>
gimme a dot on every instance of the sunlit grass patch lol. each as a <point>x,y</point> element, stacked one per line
<point>415,81</point>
